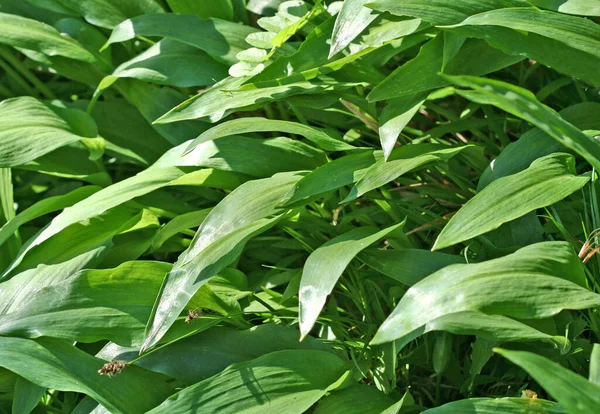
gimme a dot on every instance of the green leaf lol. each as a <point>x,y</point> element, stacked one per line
<point>331,176</point>
<point>575,393</point>
<point>241,126</point>
<point>402,160</point>
<point>535,143</point>
<point>580,7</point>
<point>220,100</point>
<point>231,154</point>
<point>30,34</point>
<point>352,19</point>
<point>57,301</point>
<point>172,63</point>
<point>220,39</point>
<point>56,364</point>
<point>495,328</point>
<point>595,365</point>
<point>497,406</point>
<point>420,74</point>
<point>356,399</point>
<point>45,206</point>
<point>394,117</point>
<point>109,13</point>
<point>7,214</point>
<point>201,356</point>
<point>547,181</point>
<point>283,381</point>
<point>115,195</point>
<point>331,259</point>
<point>125,128</point>
<point>30,129</point>
<point>407,266</point>
<point>220,9</point>
<point>178,224</point>
<point>218,242</point>
<point>442,12</point>
<point>27,396</point>
<point>535,282</point>
<point>568,36</point>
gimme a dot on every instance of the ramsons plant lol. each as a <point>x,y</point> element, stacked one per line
<point>267,206</point>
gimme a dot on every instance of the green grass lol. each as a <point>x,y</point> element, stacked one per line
<point>238,206</point>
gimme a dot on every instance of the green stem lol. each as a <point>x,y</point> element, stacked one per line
<point>10,72</point>
<point>25,72</point>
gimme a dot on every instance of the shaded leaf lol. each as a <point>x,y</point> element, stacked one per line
<point>221,39</point>
<point>497,406</point>
<point>575,393</point>
<point>283,381</point>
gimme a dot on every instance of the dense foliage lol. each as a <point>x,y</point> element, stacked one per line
<point>231,206</point>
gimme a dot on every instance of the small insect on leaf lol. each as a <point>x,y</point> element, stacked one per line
<point>112,368</point>
<point>192,314</point>
<point>529,394</point>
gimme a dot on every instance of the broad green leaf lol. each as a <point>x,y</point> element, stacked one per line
<point>77,239</point>
<point>325,266</point>
<point>497,406</point>
<point>218,242</point>
<point>356,399</point>
<point>402,160</point>
<point>352,19</point>
<point>45,206</point>
<point>535,143</point>
<point>331,176</point>
<point>452,45</point>
<point>221,39</point>
<point>495,328</point>
<point>220,100</point>
<point>575,393</point>
<point>71,161</point>
<point>241,126</point>
<point>33,35</point>
<point>49,302</point>
<point>109,13</point>
<point>535,282</point>
<point>420,74</point>
<point>152,102</point>
<point>180,223</point>
<point>7,214</point>
<point>172,63</point>
<point>567,36</point>
<point>407,266</point>
<point>394,117</point>
<point>30,129</point>
<point>27,396</point>
<point>117,194</point>
<point>57,364</point>
<point>201,356</point>
<point>442,12</point>
<point>547,181</point>
<point>580,7</point>
<point>279,382</point>
<point>221,9</point>
<point>124,127</point>
<point>270,156</point>
<point>594,376</point>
